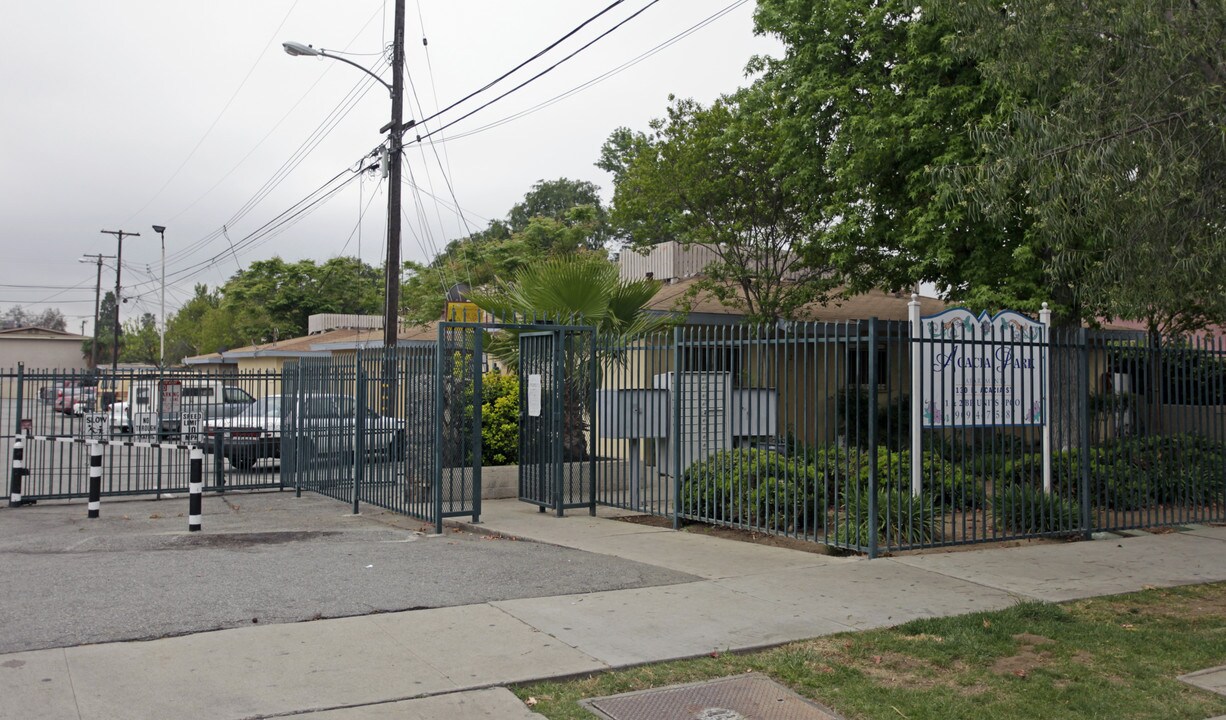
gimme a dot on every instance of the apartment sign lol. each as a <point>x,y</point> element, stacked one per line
<point>981,371</point>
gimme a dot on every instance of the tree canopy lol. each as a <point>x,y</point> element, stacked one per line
<point>710,176</point>
<point>1115,153</point>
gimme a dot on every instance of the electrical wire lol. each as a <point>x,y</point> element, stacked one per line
<point>602,77</point>
<point>515,69</point>
<point>220,114</point>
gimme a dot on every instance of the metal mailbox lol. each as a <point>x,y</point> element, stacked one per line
<point>632,413</point>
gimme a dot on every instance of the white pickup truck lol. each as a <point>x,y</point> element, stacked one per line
<point>154,404</point>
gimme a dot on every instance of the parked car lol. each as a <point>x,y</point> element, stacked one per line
<point>75,400</point>
<point>325,428</point>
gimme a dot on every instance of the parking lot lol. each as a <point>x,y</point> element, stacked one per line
<point>263,557</point>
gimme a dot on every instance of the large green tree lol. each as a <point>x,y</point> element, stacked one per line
<point>870,101</point>
<point>711,176</point>
<point>1116,152</point>
<point>271,299</point>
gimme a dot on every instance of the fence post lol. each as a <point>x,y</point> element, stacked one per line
<point>1045,369</point>
<point>1083,401</point>
<point>95,479</point>
<point>872,439</point>
<point>359,429</point>
<point>21,377</point>
<point>19,469</point>
<point>675,442</point>
<point>436,498</point>
<point>917,395</point>
<point>195,490</point>
<point>478,397</point>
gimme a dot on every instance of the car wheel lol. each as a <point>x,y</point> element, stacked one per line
<point>241,461</point>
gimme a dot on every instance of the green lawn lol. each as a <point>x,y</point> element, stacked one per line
<point>1110,658</point>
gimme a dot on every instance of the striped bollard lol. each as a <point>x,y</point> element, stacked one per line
<point>18,471</point>
<point>95,479</point>
<point>195,490</point>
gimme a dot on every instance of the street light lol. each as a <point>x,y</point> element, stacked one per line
<point>161,231</point>
<point>391,314</point>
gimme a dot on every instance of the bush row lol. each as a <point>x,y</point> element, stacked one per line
<point>767,489</point>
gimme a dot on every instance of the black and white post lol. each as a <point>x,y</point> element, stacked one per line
<point>18,471</point>
<point>195,489</point>
<point>95,479</point>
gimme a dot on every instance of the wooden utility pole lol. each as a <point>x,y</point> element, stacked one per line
<point>119,234</point>
<point>93,350</point>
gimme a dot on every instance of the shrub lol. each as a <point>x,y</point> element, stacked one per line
<point>901,520</point>
<point>499,419</point>
<point>1029,510</point>
<point>758,488</point>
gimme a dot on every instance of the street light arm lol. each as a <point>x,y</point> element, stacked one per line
<point>298,50</point>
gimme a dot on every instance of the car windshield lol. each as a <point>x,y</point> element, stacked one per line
<point>264,408</point>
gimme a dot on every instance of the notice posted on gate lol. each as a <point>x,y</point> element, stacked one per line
<point>982,371</point>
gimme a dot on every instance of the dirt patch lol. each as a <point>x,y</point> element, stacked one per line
<point>247,540</point>
<point>1028,657</point>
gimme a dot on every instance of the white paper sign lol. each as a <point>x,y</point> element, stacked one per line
<point>534,395</point>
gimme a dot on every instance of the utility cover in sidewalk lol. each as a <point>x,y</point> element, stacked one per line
<point>743,697</point>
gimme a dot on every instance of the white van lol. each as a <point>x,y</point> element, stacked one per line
<point>154,403</point>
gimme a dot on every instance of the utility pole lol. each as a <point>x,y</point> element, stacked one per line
<point>93,350</point>
<point>395,144</point>
<point>161,231</point>
<point>119,234</point>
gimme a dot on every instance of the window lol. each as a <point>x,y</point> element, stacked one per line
<point>857,366</point>
<point>236,395</point>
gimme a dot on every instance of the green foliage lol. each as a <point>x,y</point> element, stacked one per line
<point>556,217</point>
<point>1027,509</point>
<point>709,176</point>
<point>1113,148</point>
<point>871,100</point>
<point>901,519</point>
<point>271,299</point>
<point>499,419</point>
<point>759,488</point>
<point>1135,473</point>
<point>141,342</point>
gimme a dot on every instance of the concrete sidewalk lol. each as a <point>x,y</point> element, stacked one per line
<point>450,662</point>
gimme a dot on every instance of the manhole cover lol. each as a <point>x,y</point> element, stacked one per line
<point>744,697</point>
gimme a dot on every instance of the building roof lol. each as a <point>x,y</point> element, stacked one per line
<point>31,332</point>
<point>874,303</point>
<point>319,344</point>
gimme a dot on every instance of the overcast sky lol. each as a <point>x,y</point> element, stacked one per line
<point>122,115</point>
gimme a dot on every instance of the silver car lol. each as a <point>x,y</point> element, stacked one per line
<point>317,425</point>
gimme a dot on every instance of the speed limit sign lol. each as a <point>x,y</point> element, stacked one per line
<point>191,426</point>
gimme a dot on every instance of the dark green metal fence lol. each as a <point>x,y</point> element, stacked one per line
<point>805,430</point>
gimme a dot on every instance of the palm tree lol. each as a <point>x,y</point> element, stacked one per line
<point>577,289</point>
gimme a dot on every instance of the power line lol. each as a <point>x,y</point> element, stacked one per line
<point>539,75</point>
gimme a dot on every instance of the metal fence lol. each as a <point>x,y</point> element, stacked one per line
<point>806,431</point>
<point>145,451</point>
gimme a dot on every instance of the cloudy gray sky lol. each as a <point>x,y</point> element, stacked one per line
<point>126,114</point>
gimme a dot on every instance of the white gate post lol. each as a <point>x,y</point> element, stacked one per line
<point>917,377</point>
<point>1045,318</point>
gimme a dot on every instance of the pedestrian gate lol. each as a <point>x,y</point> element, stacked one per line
<point>557,380</point>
